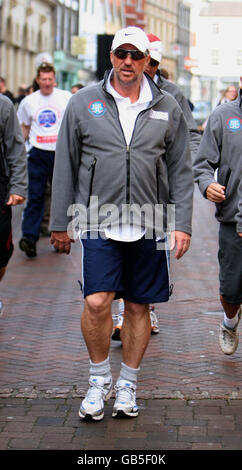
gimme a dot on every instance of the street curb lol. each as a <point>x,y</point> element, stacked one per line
<point>76,392</point>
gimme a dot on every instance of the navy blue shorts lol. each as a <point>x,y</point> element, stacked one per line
<point>137,271</point>
<point>230,262</point>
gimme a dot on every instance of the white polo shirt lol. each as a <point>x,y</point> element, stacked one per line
<point>128,113</point>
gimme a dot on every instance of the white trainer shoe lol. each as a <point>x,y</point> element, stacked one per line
<point>118,322</point>
<point>153,321</point>
<point>125,403</point>
<point>92,407</point>
<point>229,337</point>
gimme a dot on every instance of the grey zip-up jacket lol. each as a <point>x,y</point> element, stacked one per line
<point>13,148</point>
<point>174,90</point>
<point>92,158</point>
<point>239,213</point>
<point>221,148</point>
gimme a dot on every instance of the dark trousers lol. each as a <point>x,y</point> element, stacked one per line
<point>40,170</point>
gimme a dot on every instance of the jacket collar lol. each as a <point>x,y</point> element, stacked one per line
<point>155,90</point>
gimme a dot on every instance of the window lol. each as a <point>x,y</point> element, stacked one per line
<point>215,28</point>
<point>67,30</point>
<point>139,5</point>
<point>215,57</point>
<point>239,57</point>
<point>59,27</point>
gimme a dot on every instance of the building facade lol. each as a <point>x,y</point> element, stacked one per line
<point>183,43</point>
<point>66,62</point>
<point>216,48</point>
<point>27,28</point>
<point>161,20</point>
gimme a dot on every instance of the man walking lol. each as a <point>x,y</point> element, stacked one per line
<point>40,115</point>
<point>220,150</point>
<point>152,69</point>
<point>166,85</point>
<point>124,144</point>
<point>13,177</point>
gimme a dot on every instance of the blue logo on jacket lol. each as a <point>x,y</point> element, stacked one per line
<point>97,108</point>
<point>234,124</point>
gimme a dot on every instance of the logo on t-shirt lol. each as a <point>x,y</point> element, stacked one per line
<point>97,108</point>
<point>47,118</point>
<point>234,124</point>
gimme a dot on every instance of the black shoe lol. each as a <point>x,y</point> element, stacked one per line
<point>28,246</point>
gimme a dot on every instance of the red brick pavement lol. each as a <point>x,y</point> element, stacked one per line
<point>53,424</point>
<point>43,355</point>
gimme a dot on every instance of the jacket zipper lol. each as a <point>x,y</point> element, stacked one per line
<point>127,147</point>
<point>157,183</point>
<point>128,173</point>
<point>92,169</point>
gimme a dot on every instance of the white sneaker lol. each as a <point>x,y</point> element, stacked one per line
<point>92,407</point>
<point>125,403</point>
<point>229,337</point>
<point>118,319</point>
<point>153,321</point>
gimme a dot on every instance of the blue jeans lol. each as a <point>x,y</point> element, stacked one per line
<point>40,170</point>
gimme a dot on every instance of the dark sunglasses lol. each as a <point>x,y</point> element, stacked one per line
<point>153,63</point>
<point>122,54</point>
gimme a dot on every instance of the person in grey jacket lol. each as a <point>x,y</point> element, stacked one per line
<point>13,176</point>
<point>123,145</point>
<point>152,69</point>
<point>220,149</point>
<point>166,85</point>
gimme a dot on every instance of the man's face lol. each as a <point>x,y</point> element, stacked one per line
<point>46,82</point>
<point>151,68</point>
<point>128,71</point>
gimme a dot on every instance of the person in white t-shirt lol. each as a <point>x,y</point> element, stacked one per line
<point>40,115</point>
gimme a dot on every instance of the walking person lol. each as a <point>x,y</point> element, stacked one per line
<point>122,143</point>
<point>220,149</point>
<point>40,115</point>
<point>13,177</point>
<point>166,85</point>
<point>152,69</point>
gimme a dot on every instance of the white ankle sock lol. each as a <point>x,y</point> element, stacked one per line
<point>100,368</point>
<point>230,322</point>
<point>128,373</point>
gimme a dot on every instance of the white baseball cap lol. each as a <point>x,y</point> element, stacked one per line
<point>131,35</point>
<point>156,47</point>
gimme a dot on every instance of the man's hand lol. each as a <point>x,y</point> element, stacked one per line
<point>215,192</point>
<point>182,242</point>
<point>61,242</point>
<point>240,234</point>
<point>14,200</point>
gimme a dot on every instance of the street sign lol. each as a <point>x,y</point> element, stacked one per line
<point>78,45</point>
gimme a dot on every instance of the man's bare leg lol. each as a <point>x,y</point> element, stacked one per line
<point>2,272</point>
<point>230,309</point>
<point>229,337</point>
<point>135,333</point>
<point>96,324</point>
